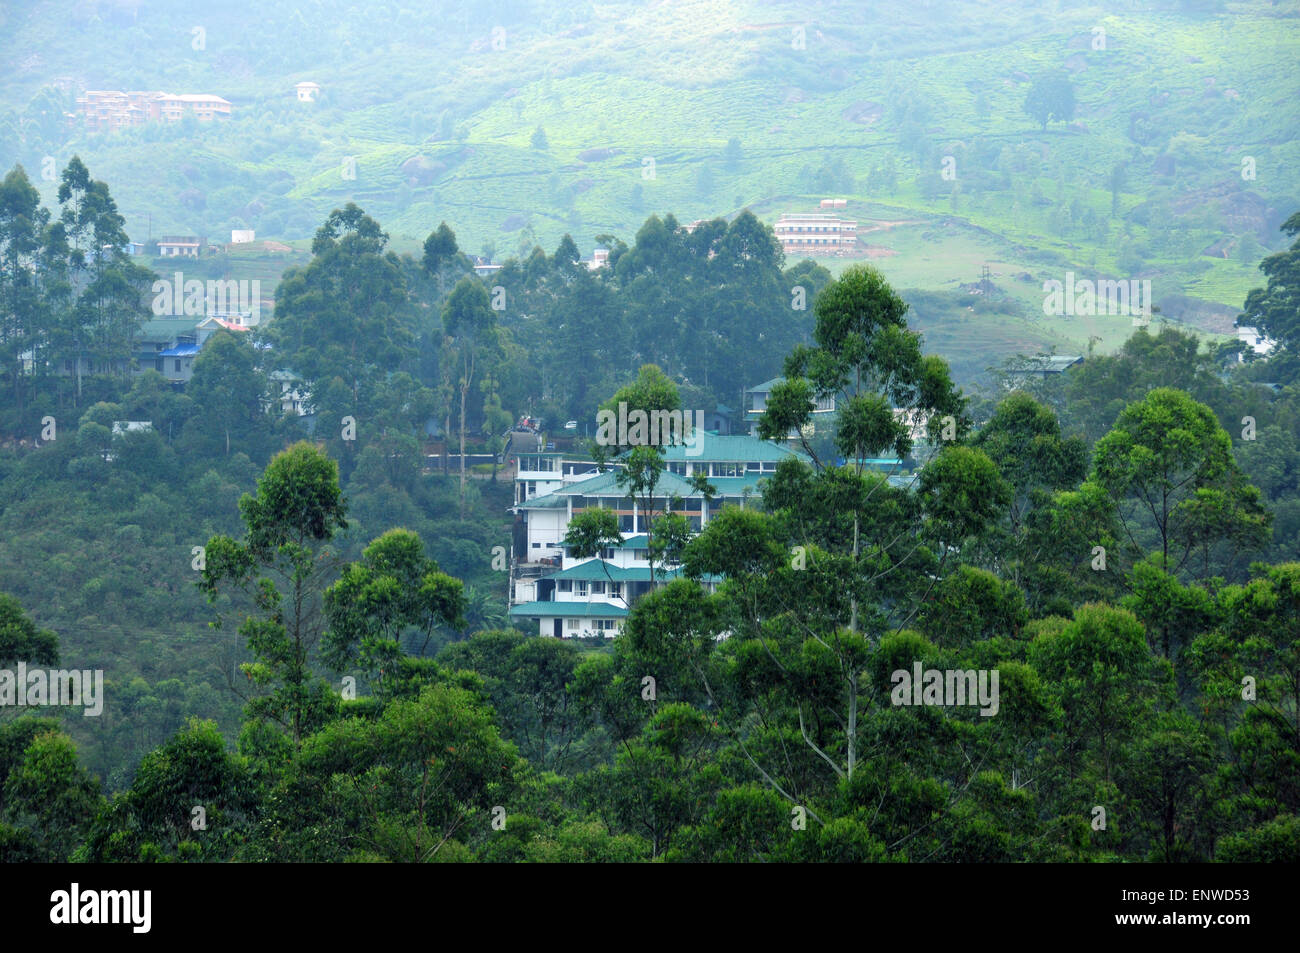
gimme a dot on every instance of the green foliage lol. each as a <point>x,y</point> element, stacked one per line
<point>21,640</point>
<point>190,800</point>
<point>49,800</point>
<point>394,588</point>
<point>740,702</point>
<point>417,784</point>
<point>1170,460</point>
<point>1050,99</point>
<point>1277,842</point>
<point>298,507</point>
<point>1273,309</point>
<point>867,359</point>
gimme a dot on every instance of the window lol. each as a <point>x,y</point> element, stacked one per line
<point>571,624</point>
<point>566,585</point>
<point>597,588</point>
<point>580,587</point>
<point>158,365</point>
<point>616,590</point>
<point>537,545</point>
<point>532,490</point>
<point>178,365</point>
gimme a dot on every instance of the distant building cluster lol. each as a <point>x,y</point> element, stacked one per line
<point>110,109</point>
<point>818,234</point>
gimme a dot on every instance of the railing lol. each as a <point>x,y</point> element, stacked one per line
<point>533,570</point>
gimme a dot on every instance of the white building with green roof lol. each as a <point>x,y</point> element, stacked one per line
<point>756,405</point>
<point>568,597</point>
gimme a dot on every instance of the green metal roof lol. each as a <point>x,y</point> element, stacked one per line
<point>766,386</point>
<point>166,328</point>
<point>596,569</point>
<point>551,501</point>
<point>735,448</point>
<point>585,610</point>
<point>592,572</point>
<point>729,449</point>
<point>736,486</point>
<point>606,484</point>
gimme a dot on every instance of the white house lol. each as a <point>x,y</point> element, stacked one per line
<point>179,246</point>
<point>537,474</point>
<point>1254,340</point>
<point>307,91</point>
<point>756,406</point>
<point>294,396</point>
<point>569,597</point>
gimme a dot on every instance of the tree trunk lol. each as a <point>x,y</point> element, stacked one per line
<point>464,386</point>
<point>853,618</point>
<point>853,722</point>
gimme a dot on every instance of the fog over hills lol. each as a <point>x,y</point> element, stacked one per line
<point>1177,164</point>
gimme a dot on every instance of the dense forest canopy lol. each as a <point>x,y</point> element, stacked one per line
<point>992,582</point>
<point>1118,544</point>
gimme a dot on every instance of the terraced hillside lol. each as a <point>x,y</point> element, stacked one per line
<point>1179,163</point>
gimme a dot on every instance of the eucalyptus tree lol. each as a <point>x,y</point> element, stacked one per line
<point>282,564</point>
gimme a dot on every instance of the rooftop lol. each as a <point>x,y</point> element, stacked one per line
<point>1050,363</point>
<point>732,448</point>
<point>165,329</point>
<point>534,610</point>
<point>598,569</point>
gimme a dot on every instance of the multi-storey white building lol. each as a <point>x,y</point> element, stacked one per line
<point>569,597</point>
<point>816,234</point>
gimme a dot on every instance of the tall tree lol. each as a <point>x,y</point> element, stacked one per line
<point>110,289</point>
<point>442,254</point>
<point>22,224</point>
<point>1275,308</point>
<point>1050,98</point>
<point>1169,462</point>
<point>227,385</point>
<point>282,564</point>
<point>470,326</point>
<point>345,317</point>
<point>871,365</point>
<point>393,588</point>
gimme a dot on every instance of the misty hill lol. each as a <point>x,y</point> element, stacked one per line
<point>517,122</point>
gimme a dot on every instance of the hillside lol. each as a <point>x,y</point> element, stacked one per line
<point>1184,121</point>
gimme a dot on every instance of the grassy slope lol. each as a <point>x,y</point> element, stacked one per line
<point>675,81</point>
